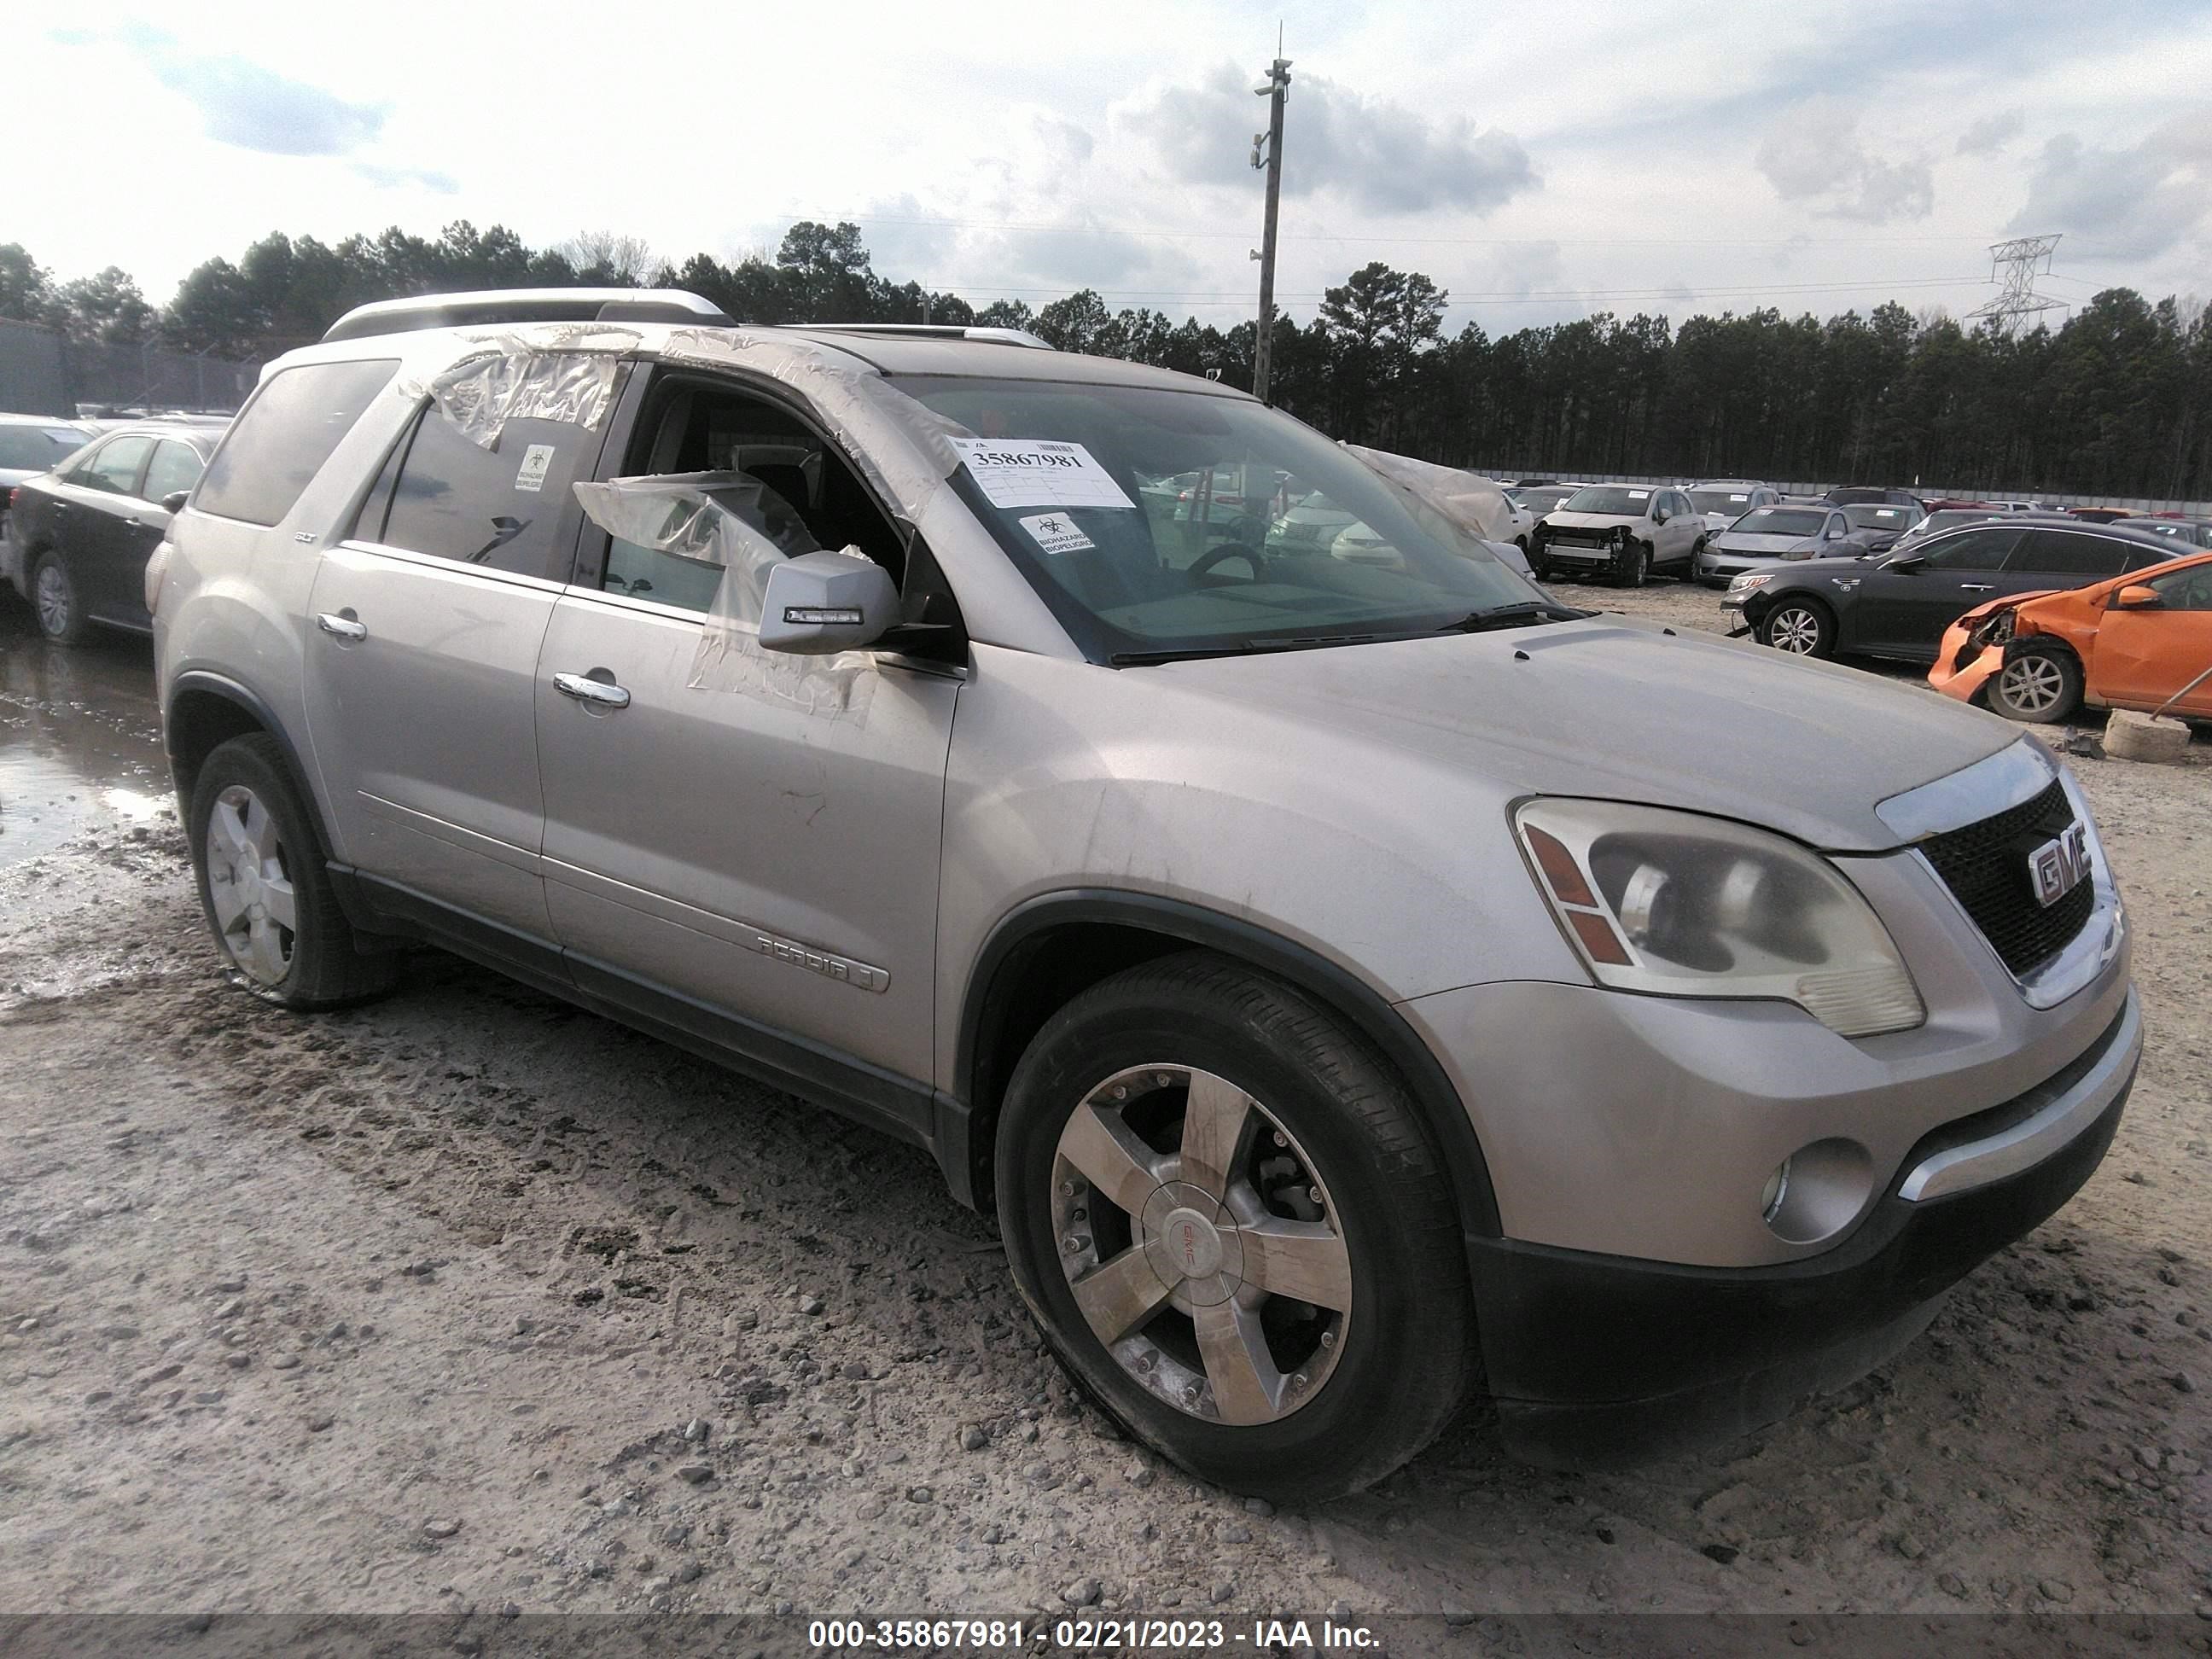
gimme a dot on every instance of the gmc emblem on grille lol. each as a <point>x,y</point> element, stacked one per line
<point>2059,866</point>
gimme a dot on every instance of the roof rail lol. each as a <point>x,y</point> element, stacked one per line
<point>1019,336</point>
<point>529,305</point>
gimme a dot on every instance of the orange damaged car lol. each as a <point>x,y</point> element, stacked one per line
<point>2140,640</point>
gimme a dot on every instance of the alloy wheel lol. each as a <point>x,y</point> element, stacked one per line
<point>1201,1245</point>
<point>56,601</point>
<point>2032,684</point>
<point>1794,630</point>
<point>250,886</point>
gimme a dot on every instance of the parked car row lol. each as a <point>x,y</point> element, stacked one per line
<point>1288,1144</point>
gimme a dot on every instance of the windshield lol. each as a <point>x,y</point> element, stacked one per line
<point>1617,499</point>
<point>36,449</point>
<point>1733,503</point>
<point>1879,518</point>
<point>1542,499</point>
<point>1951,519</point>
<point>1293,540</point>
<point>1781,521</point>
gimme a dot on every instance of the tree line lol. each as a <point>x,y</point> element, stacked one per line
<point>2117,400</point>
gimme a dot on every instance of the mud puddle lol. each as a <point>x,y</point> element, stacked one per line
<point>79,741</point>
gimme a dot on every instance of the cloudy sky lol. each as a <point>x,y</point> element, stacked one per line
<point>1540,161</point>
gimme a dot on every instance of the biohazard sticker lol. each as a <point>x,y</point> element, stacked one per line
<point>1057,533</point>
<point>536,462</point>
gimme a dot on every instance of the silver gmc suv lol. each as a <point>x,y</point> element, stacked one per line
<point>1345,981</point>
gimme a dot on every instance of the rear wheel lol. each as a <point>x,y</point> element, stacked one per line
<point>55,597</point>
<point>1223,1212</point>
<point>263,886</point>
<point>2040,684</point>
<point>1802,628</point>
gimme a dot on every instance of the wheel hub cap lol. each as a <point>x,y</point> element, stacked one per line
<point>1201,1244</point>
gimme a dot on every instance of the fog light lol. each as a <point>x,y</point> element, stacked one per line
<point>1777,1188</point>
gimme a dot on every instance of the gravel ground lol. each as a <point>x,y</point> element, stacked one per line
<point>467,1300</point>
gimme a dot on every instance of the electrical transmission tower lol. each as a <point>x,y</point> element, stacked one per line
<point>2016,264</point>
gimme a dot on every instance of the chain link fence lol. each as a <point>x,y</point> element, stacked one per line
<point>43,372</point>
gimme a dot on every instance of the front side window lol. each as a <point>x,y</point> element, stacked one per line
<point>175,466</point>
<point>114,466</point>
<point>1972,550</point>
<point>2187,590</point>
<point>281,439</point>
<point>1070,479</point>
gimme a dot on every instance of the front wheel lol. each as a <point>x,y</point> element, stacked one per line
<point>2040,684</point>
<point>263,886</point>
<point>1800,628</point>
<point>1633,566</point>
<point>1223,1211</point>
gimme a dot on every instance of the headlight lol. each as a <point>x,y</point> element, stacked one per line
<point>1749,579</point>
<point>1679,904</point>
<point>1797,553</point>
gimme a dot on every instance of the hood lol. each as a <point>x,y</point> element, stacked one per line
<point>1990,607</point>
<point>1589,521</point>
<point>1746,541</point>
<point>1622,708</point>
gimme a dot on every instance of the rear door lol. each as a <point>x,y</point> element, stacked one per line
<point>2144,656</point>
<point>1903,611</point>
<point>754,857</point>
<point>425,622</point>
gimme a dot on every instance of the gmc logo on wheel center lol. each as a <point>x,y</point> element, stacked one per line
<point>2059,865</point>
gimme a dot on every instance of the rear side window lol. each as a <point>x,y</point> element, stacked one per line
<point>175,466</point>
<point>275,448</point>
<point>499,508</point>
<point>2069,553</point>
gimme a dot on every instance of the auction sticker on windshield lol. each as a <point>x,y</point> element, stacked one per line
<point>1039,473</point>
<point>1055,533</point>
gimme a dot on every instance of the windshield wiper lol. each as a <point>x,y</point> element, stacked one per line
<point>1243,649</point>
<point>1514,615</point>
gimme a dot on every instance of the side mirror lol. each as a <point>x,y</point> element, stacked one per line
<point>1658,515</point>
<point>173,502</point>
<point>2136,597</point>
<point>820,604</point>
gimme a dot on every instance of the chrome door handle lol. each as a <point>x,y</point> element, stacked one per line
<point>1978,587</point>
<point>343,628</point>
<point>585,688</point>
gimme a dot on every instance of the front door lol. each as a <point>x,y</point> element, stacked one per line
<point>2144,656</point>
<point>754,857</point>
<point>1905,610</point>
<point>424,628</point>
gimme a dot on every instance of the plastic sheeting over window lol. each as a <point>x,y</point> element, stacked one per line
<point>551,371</point>
<point>1472,503</point>
<point>732,530</point>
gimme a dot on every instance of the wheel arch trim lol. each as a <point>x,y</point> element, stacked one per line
<point>206,682</point>
<point>1000,963</point>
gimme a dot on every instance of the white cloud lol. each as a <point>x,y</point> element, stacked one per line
<point>1814,155</point>
<point>1992,133</point>
<point>2133,201</point>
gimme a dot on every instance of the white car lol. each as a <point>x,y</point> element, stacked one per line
<point>1624,533</point>
<point>1723,500</point>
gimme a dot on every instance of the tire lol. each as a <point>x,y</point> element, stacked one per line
<point>1634,567</point>
<point>1799,628</point>
<point>56,601</point>
<point>1318,1114</point>
<point>2040,684</point>
<point>1539,571</point>
<point>249,828</point>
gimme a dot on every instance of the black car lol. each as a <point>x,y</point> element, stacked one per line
<point>1897,604</point>
<point>83,533</point>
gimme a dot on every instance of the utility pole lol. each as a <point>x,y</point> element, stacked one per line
<point>1277,89</point>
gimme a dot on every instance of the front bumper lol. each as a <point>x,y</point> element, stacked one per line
<point>1598,1361</point>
